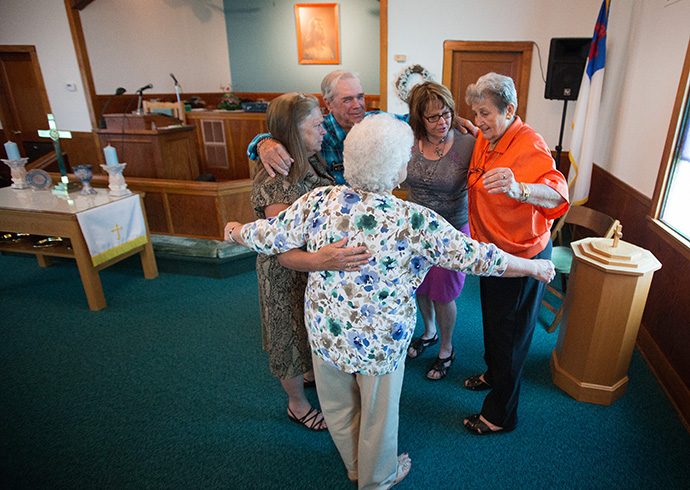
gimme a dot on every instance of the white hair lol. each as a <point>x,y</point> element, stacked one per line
<point>375,151</point>
<point>500,89</point>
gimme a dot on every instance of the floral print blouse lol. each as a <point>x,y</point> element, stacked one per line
<point>362,321</point>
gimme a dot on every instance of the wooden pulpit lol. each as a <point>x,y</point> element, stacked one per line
<point>152,145</point>
<point>606,296</point>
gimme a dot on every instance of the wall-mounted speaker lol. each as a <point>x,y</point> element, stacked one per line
<point>567,60</point>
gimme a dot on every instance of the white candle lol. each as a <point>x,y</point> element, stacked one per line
<point>110,155</point>
<point>12,150</point>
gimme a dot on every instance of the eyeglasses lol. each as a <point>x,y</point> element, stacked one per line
<point>434,119</point>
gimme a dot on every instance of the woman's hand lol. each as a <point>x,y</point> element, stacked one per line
<point>541,269</point>
<point>274,157</point>
<point>465,126</point>
<point>337,257</point>
<point>544,270</point>
<point>332,257</point>
<point>229,227</point>
<point>502,181</point>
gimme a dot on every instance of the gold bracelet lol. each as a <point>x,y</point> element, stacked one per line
<point>525,192</point>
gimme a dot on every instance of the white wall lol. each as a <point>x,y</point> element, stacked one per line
<point>132,43</point>
<point>647,41</point>
<point>640,86</point>
<point>418,31</point>
<point>43,23</point>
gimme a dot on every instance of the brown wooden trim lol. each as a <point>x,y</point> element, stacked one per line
<point>671,137</point>
<point>383,55</point>
<point>670,236</point>
<point>79,4</point>
<point>669,380</point>
<point>82,58</point>
<point>679,243</point>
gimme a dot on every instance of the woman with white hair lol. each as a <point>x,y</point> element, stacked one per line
<point>514,193</point>
<point>361,323</point>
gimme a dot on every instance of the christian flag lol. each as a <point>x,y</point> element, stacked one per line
<point>587,113</point>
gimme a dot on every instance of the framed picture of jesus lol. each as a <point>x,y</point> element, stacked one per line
<point>317,33</point>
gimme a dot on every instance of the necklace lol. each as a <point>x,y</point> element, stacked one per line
<point>438,150</point>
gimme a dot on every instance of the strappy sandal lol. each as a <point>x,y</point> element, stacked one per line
<point>476,426</point>
<point>310,420</point>
<point>476,383</point>
<point>419,345</point>
<point>440,366</point>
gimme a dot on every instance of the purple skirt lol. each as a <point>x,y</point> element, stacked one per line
<point>441,284</point>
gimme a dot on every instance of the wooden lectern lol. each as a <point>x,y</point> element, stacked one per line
<point>606,296</point>
<point>152,145</point>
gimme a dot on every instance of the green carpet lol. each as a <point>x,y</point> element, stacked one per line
<point>168,388</point>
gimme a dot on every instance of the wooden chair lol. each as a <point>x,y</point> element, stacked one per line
<point>176,109</point>
<point>579,222</point>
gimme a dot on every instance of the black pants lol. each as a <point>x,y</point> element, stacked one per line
<point>510,308</point>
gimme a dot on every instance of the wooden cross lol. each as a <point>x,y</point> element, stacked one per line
<point>617,235</point>
<point>54,134</point>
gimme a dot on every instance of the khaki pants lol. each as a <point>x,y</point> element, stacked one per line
<point>362,416</point>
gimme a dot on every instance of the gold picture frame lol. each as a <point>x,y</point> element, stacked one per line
<point>318,39</point>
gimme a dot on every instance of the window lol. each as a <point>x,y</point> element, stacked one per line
<point>671,201</point>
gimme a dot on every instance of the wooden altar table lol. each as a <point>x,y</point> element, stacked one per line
<point>46,214</point>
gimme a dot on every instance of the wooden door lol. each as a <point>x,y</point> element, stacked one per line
<point>24,102</point>
<point>465,61</point>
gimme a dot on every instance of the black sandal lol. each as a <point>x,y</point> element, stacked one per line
<point>310,420</point>
<point>476,383</point>
<point>440,367</point>
<point>419,345</point>
<point>476,426</point>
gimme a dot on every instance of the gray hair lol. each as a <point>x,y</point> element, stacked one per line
<point>330,81</point>
<point>376,149</point>
<point>498,88</point>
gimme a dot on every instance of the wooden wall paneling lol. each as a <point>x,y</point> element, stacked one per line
<point>82,149</point>
<point>157,214</point>
<point>195,214</point>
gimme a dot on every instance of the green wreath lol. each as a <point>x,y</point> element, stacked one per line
<point>401,84</point>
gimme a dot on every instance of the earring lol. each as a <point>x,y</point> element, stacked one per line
<point>508,116</point>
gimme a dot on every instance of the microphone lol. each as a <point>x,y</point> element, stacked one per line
<point>118,91</point>
<point>177,87</point>
<point>144,88</point>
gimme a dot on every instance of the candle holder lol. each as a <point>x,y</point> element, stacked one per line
<point>18,172</point>
<point>116,181</point>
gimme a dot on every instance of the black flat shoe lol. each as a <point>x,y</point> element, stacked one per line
<point>476,383</point>
<point>419,345</point>
<point>476,426</point>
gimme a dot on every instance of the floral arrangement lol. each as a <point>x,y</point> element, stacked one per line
<point>229,101</point>
<point>402,84</point>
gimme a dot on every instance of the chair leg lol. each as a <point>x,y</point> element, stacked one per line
<point>556,321</point>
